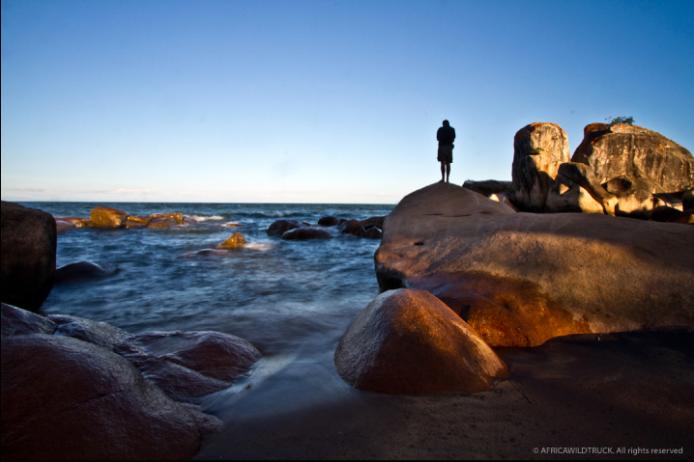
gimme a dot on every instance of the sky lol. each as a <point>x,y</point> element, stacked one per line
<point>317,101</point>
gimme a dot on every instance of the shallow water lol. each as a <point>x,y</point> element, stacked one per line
<point>291,299</point>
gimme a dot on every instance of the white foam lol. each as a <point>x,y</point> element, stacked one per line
<point>260,246</point>
<point>201,218</point>
<point>231,224</point>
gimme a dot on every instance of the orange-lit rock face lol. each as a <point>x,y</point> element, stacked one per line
<point>521,278</point>
<point>409,342</point>
<point>107,218</point>
<point>175,216</point>
<point>234,241</point>
<point>161,223</point>
<point>134,221</point>
<point>644,156</point>
<point>503,311</point>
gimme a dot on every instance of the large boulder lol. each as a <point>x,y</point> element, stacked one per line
<point>640,156</point>
<point>81,271</point>
<point>519,278</point>
<point>408,341</point>
<point>107,218</point>
<point>538,150</point>
<point>63,398</point>
<point>73,388</point>
<point>27,266</point>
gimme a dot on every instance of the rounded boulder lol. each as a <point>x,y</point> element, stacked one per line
<point>409,342</point>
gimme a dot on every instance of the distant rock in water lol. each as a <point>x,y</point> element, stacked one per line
<point>81,271</point>
<point>107,218</point>
<point>370,228</point>
<point>304,233</point>
<point>409,342</point>
<point>28,254</point>
<point>328,221</point>
<point>279,227</point>
<point>79,389</point>
<point>519,279</point>
<point>235,241</point>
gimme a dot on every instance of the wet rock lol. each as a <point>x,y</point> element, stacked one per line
<point>95,332</point>
<point>137,222</point>
<point>519,279</point>
<point>162,223</point>
<point>305,233</point>
<point>16,321</point>
<point>369,228</point>
<point>27,263</point>
<point>538,150</point>
<point>77,222</point>
<point>63,398</point>
<point>409,342</point>
<point>373,222</point>
<point>328,221</point>
<point>177,217</point>
<point>235,241</point>
<point>107,218</point>
<point>63,226</point>
<point>279,227</point>
<point>80,271</point>
<point>640,155</point>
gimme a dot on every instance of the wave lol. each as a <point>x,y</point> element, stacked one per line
<point>202,218</point>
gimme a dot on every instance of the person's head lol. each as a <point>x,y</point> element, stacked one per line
<point>445,123</point>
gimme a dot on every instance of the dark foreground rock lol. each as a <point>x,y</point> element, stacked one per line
<point>27,263</point>
<point>409,342</point>
<point>79,389</point>
<point>519,279</point>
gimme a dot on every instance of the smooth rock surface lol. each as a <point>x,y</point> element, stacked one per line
<point>409,342</point>
<point>27,263</point>
<point>80,271</point>
<point>520,278</point>
<point>279,227</point>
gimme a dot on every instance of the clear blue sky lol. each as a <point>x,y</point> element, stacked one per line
<point>317,101</point>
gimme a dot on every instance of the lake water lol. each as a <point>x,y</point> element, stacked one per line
<point>291,299</point>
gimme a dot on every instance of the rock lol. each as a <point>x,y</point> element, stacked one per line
<point>162,223</point>
<point>372,233</point>
<point>63,226</point>
<point>637,154</point>
<point>353,227</point>
<point>519,279</point>
<point>94,332</point>
<point>305,233</point>
<point>136,222</point>
<point>176,217</point>
<point>279,227</point>
<point>235,241</point>
<point>576,189</point>
<point>538,150</point>
<point>77,222</point>
<point>373,221</point>
<point>409,342</point>
<point>107,218</point>
<point>688,200</point>
<point>80,271</point>
<point>213,354</point>
<point>63,398</point>
<point>490,187</point>
<point>328,221</point>
<point>16,321</point>
<point>369,228</point>
<point>27,263</point>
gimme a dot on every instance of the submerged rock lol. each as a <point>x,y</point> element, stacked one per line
<point>409,342</point>
<point>519,279</point>
<point>304,233</point>
<point>107,218</point>
<point>328,221</point>
<point>80,271</point>
<point>235,241</point>
<point>27,263</point>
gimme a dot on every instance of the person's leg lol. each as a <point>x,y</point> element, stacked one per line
<point>448,171</point>
<point>443,171</point>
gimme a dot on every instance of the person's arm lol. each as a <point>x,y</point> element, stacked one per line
<point>452,134</point>
<point>438,135</point>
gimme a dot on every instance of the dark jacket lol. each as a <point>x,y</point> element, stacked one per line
<point>445,136</point>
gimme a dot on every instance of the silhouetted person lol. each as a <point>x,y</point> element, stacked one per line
<point>445,135</point>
